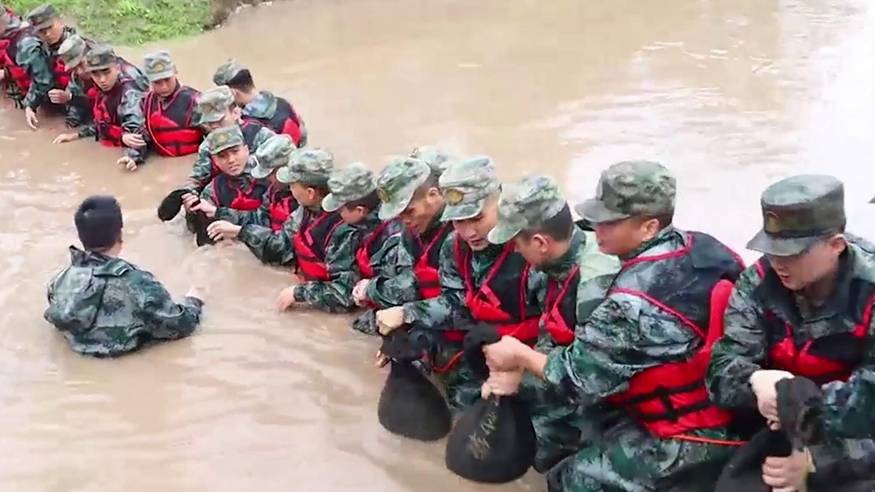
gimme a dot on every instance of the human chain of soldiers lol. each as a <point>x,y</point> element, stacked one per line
<point>645,353</point>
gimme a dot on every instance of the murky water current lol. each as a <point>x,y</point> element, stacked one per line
<point>731,94</point>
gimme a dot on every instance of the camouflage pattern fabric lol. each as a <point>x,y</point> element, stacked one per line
<point>632,188</point>
<point>202,169</point>
<point>32,56</point>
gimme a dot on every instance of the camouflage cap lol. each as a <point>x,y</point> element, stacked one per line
<point>348,185</point>
<point>525,205</point>
<point>311,167</point>
<point>224,138</point>
<point>159,66</point>
<point>226,72</point>
<point>42,16</point>
<point>398,182</point>
<point>631,189</point>
<point>466,185</point>
<point>72,51</point>
<point>799,211</point>
<point>272,154</point>
<point>100,57</point>
<point>436,159</point>
<point>213,104</point>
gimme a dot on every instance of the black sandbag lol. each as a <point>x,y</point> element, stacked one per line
<point>410,405</point>
<point>170,205</point>
<point>198,222</point>
<point>493,441</point>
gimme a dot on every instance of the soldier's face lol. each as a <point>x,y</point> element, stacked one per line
<point>806,268</point>
<point>164,87</point>
<point>623,237</point>
<point>421,210</point>
<point>107,78</point>
<point>232,161</point>
<point>53,33</point>
<point>474,230</point>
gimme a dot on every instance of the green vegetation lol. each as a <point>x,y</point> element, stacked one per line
<point>130,21</point>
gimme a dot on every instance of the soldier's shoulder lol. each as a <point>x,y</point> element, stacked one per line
<point>751,277</point>
<point>117,267</point>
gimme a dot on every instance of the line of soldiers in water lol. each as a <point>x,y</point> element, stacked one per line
<point>645,353</point>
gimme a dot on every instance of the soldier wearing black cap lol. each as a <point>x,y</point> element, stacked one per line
<point>803,309</point>
<point>105,306</point>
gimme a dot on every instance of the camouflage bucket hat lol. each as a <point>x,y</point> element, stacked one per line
<point>397,184</point>
<point>348,185</point>
<point>798,212</point>
<point>631,189</point>
<point>311,167</point>
<point>42,17</point>
<point>224,138</point>
<point>99,58</point>
<point>466,185</point>
<point>72,51</point>
<point>273,154</point>
<point>212,105</point>
<point>159,66</point>
<point>524,205</point>
<point>436,159</point>
<point>226,72</point>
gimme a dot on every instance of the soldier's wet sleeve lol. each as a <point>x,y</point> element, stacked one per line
<point>849,408</point>
<point>440,312</point>
<point>88,131</point>
<point>273,248</point>
<point>163,317</point>
<point>395,283</point>
<point>130,112</point>
<point>77,110</point>
<point>335,295</point>
<point>622,337</point>
<point>207,194</point>
<point>201,170</point>
<point>741,350</point>
<point>32,57</point>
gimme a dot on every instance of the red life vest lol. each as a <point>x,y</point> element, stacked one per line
<point>373,242</point>
<point>671,399</point>
<point>18,75</point>
<point>426,267</point>
<point>311,243</point>
<point>105,111</point>
<point>62,75</point>
<point>281,206</point>
<point>559,317</point>
<point>169,123</point>
<point>501,296</point>
<point>238,193</point>
<point>825,359</point>
<point>283,122</point>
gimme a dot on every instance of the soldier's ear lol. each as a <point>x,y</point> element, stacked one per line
<point>541,241</point>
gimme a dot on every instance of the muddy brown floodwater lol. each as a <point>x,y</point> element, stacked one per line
<point>731,94</point>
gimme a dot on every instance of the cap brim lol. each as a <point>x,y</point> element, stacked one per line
<point>285,175</point>
<point>330,203</point>
<point>595,211</point>
<point>259,172</point>
<point>390,210</point>
<point>98,68</point>
<point>44,25</point>
<point>75,62</point>
<point>160,76</point>
<point>774,246</point>
<point>209,118</point>
<point>502,233</point>
<point>462,211</point>
<point>223,148</point>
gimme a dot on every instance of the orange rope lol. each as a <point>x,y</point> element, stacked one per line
<point>449,365</point>
<point>706,440</point>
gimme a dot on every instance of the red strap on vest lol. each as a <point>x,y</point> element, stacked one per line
<point>173,137</point>
<point>428,277</point>
<point>363,255</point>
<point>552,317</point>
<point>313,268</point>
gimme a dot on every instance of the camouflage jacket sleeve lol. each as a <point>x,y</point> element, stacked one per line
<point>273,248</point>
<point>130,113</point>
<point>849,408</point>
<point>335,295</point>
<point>201,170</point>
<point>623,336</point>
<point>32,57</point>
<point>163,317</point>
<point>207,194</point>
<point>395,283</point>
<point>741,350</point>
<point>440,313</point>
<point>88,131</point>
<point>78,110</point>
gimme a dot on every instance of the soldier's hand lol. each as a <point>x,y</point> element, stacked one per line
<point>31,119</point>
<point>2,75</point>
<point>65,137</point>
<point>763,385</point>
<point>222,229</point>
<point>189,200</point>
<point>504,354</point>
<point>381,359</point>
<point>388,320</point>
<point>59,96</point>
<point>503,383</point>
<point>133,140</point>
<point>206,207</point>
<point>128,163</point>
<point>788,474</point>
<point>359,292</point>
<point>286,298</point>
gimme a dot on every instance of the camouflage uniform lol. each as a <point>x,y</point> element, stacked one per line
<point>212,106</point>
<point>273,154</point>
<point>622,337</point>
<point>559,422</point>
<point>129,110</point>
<point>32,56</point>
<point>798,212</point>
<point>466,186</point>
<point>106,306</point>
<point>217,141</point>
<point>311,167</point>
